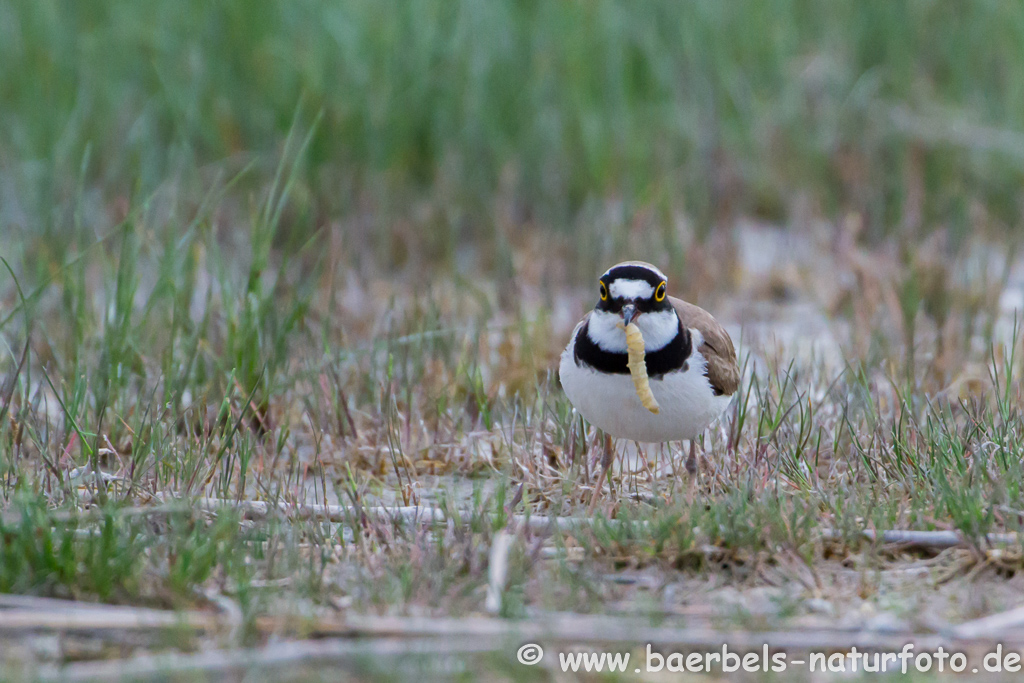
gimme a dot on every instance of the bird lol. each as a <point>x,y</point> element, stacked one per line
<point>690,360</point>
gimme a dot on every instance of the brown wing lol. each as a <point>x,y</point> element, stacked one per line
<point>723,371</point>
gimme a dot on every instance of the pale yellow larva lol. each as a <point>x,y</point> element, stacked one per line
<point>638,368</point>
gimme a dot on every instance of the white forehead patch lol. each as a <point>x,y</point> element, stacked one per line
<point>631,289</point>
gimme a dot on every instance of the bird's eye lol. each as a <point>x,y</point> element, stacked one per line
<point>659,293</point>
<point>604,292</point>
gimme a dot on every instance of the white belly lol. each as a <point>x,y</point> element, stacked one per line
<point>609,402</point>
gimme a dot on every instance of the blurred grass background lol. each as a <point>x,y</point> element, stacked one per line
<point>464,122</point>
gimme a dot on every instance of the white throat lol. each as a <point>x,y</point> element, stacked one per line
<point>658,329</point>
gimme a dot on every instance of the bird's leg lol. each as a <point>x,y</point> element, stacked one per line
<point>692,468</point>
<point>606,463</point>
<point>652,470</point>
<point>671,468</point>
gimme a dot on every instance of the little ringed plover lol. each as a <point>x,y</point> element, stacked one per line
<point>690,360</point>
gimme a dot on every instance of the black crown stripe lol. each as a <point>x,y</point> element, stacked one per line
<point>633,273</point>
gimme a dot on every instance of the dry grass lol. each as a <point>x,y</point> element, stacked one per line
<point>390,393</point>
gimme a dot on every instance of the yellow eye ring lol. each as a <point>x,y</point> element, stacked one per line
<point>604,291</point>
<point>659,293</point>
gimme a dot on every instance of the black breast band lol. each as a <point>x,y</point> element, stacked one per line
<point>671,357</point>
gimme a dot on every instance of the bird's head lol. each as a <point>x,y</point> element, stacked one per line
<point>633,291</point>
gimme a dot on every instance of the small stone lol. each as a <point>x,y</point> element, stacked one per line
<point>820,606</point>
